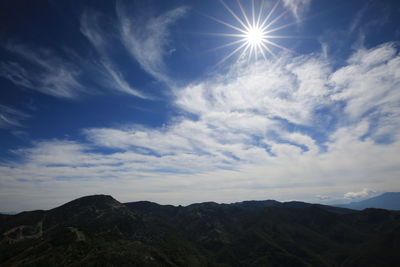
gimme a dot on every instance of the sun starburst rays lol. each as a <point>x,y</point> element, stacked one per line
<point>255,30</point>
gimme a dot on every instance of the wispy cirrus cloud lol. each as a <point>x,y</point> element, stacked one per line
<point>297,7</point>
<point>250,138</point>
<point>59,74</point>
<point>11,117</point>
<point>110,76</point>
<point>51,74</point>
<point>147,38</point>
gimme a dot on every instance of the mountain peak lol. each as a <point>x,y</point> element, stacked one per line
<point>90,212</point>
<point>94,204</point>
<point>98,201</point>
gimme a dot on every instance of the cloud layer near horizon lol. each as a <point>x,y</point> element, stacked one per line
<point>293,127</point>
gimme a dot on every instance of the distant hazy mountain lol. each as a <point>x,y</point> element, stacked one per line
<point>389,201</point>
<point>100,231</point>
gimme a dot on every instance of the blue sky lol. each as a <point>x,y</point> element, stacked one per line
<point>140,100</point>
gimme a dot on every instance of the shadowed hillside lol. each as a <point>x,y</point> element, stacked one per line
<point>98,230</point>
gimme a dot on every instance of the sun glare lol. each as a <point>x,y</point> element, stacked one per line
<point>254,30</point>
<point>255,36</point>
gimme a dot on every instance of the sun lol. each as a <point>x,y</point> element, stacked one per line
<point>255,36</point>
<point>254,30</point>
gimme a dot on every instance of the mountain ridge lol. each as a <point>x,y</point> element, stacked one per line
<point>253,203</point>
<point>99,230</point>
<point>388,200</point>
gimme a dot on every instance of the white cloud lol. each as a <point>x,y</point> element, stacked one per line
<point>117,81</point>
<point>59,73</point>
<point>110,76</point>
<point>369,86</point>
<point>146,37</point>
<point>358,18</point>
<point>91,29</point>
<point>288,88</point>
<point>59,166</point>
<point>53,75</point>
<point>11,117</point>
<point>362,194</point>
<point>249,139</point>
<point>297,7</point>
<point>304,140</point>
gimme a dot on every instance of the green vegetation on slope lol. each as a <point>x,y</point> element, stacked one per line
<point>100,231</point>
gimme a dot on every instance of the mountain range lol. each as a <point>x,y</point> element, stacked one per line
<point>100,231</point>
<point>389,201</point>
